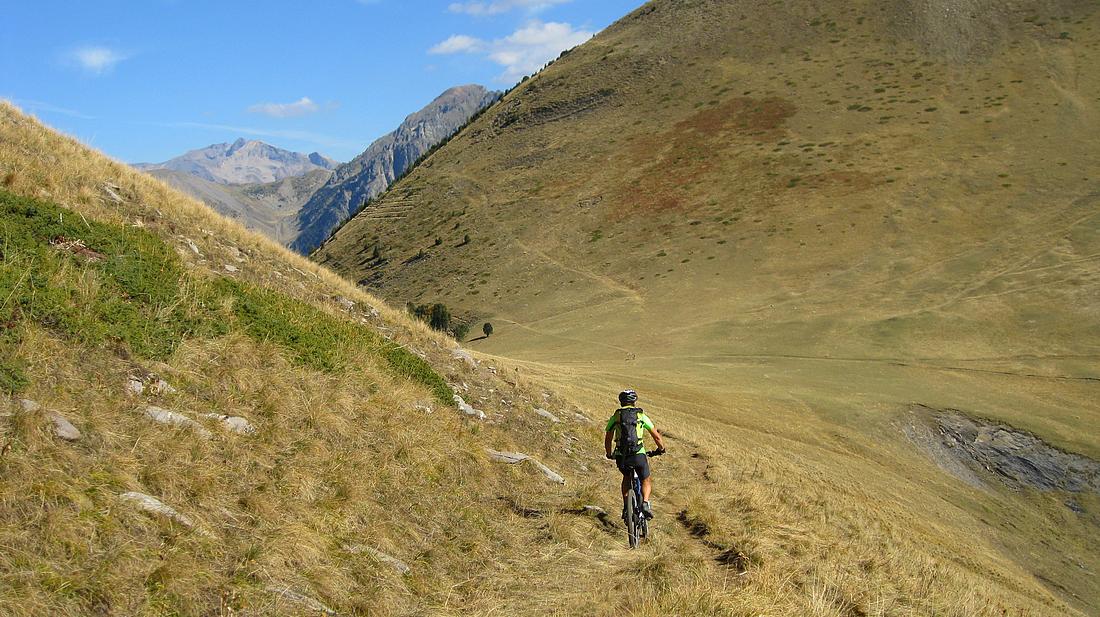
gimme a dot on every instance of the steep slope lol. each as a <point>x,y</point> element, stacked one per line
<point>371,172</point>
<point>796,220</point>
<point>243,162</point>
<point>269,208</point>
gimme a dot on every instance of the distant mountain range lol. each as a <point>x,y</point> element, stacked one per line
<point>370,173</point>
<point>299,199</point>
<point>243,162</point>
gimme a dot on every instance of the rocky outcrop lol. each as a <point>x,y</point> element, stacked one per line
<point>371,172</point>
<point>513,458</point>
<point>465,408</point>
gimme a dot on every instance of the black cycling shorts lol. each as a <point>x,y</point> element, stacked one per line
<point>627,464</point>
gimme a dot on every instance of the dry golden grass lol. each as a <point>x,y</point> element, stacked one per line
<point>789,222</point>
<point>345,458</point>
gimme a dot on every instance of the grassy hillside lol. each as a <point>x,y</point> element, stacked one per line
<point>790,223</point>
<point>110,279</point>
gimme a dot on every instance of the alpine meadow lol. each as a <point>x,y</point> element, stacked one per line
<point>847,253</point>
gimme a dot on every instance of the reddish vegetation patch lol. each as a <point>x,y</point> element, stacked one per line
<point>76,247</point>
<point>756,118</point>
<point>692,150</point>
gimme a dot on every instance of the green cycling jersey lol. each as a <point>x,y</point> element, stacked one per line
<point>644,424</point>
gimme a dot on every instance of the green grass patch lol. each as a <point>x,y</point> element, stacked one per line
<point>95,284</point>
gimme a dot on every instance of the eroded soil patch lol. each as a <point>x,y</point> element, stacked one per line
<point>974,450</point>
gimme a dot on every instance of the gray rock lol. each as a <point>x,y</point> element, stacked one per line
<point>171,418</point>
<point>345,303</point>
<point>546,414</point>
<point>29,406</point>
<point>465,408</point>
<point>306,601</point>
<point>231,268</point>
<point>135,385</point>
<point>582,418</point>
<point>62,427</point>
<point>235,424</point>
<point>465,356</point>
<point>162,387</point>
<point>152,505</point>
<point>378,555</point>
<point>512,458</point>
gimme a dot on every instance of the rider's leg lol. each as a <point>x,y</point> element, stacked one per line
<point>626,486</point>
<point>647,487</point>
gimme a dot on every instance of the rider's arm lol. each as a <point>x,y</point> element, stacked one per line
<point>608,437</point>
<point>657,437</point>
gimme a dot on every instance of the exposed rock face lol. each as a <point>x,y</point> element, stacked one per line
<point>372,172</point>
<point>243,162</point>
<point>969,447</point>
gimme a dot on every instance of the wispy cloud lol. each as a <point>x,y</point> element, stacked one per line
<point>300,107</point>
<point>495,7</point>
<point>306,136</point>
<point>96,59</point>
<point>43,107</point>
<point>521,53</point>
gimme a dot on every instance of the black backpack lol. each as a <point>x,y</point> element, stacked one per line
<point>629,443</point>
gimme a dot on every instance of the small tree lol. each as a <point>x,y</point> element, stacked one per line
<point>459,331</point>
<point>487,329</point>
<point>439,318</point>
<point>438,241</point>
<point>376,254</point>
<point>465,239</point>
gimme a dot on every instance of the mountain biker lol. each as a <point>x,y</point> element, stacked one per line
<point>628,462</point>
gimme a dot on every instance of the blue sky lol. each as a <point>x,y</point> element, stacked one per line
<point>146,80</point>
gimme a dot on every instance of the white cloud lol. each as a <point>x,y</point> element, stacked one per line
<point>458,43</point>
<point>494,7</point>
<point>95,59</point>
<point>521,53</point>
<point>300,107</point>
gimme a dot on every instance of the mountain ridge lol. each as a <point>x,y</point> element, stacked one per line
<point>243,162</point>
<point>370,173</point>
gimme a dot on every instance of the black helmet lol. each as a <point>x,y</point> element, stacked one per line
<point>626,397</point>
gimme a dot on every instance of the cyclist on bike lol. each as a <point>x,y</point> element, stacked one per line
<point>636,459</point>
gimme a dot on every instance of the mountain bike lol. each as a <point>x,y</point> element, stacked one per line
<point>637,525</point>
